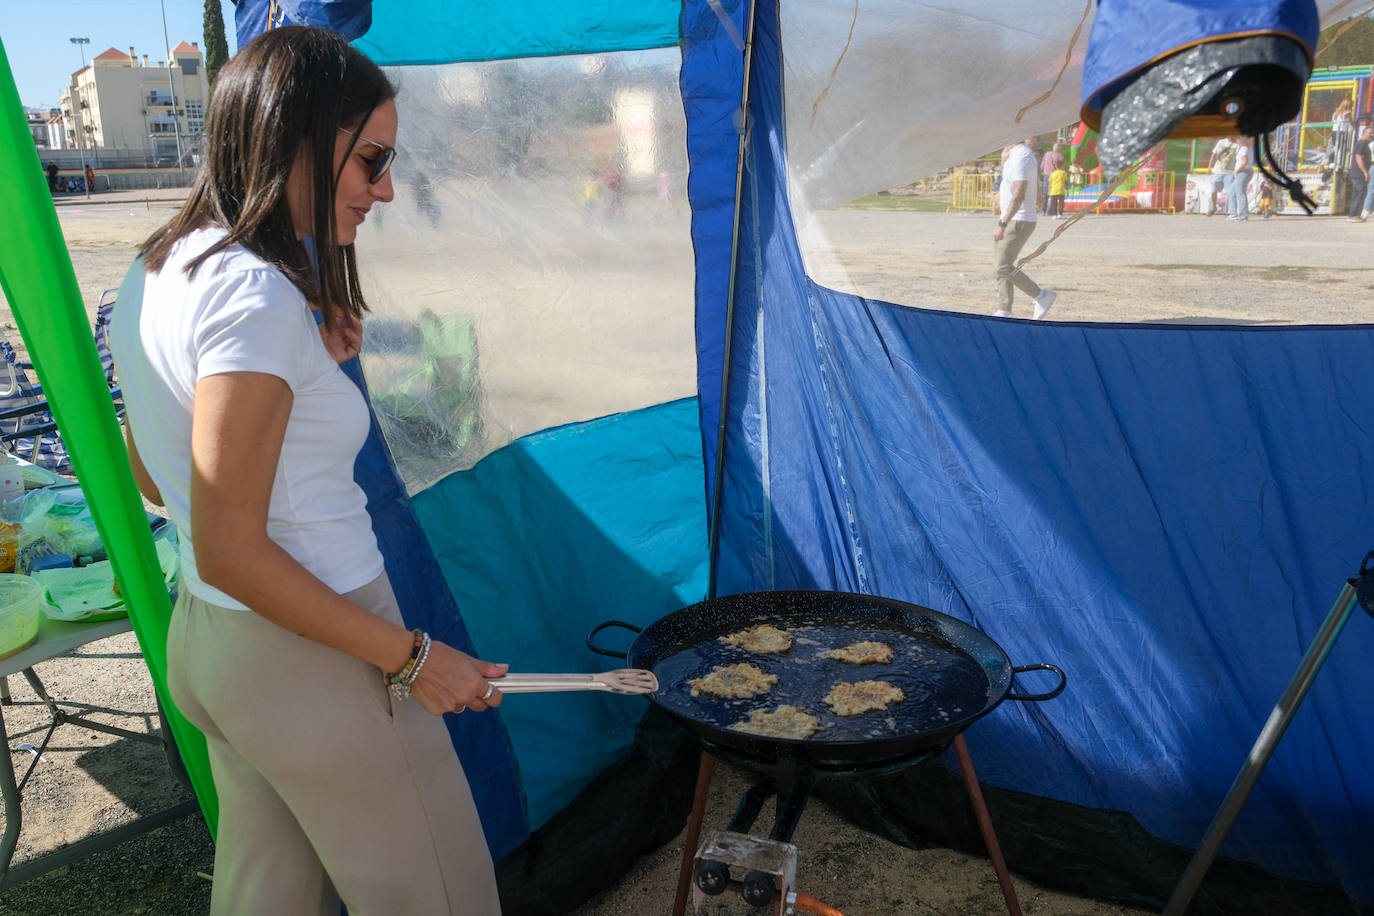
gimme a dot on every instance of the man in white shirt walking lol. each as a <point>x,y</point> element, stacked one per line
<point>1015,223</point>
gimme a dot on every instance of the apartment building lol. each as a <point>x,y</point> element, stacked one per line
<point>38,119</point>
<point>122,107</point>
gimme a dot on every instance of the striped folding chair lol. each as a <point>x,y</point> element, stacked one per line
<point>27,428</point>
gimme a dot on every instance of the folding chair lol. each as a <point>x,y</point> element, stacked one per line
<point>27,428</point>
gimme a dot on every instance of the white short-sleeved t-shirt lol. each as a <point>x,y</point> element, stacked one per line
<point>1020,166</point>
<point>239,314</point>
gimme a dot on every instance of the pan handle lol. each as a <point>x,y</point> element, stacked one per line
<point>610,623</point>
<point>1038,696</point>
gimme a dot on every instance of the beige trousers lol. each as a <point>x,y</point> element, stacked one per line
<point>328,789</point>
<point>1014,238</point>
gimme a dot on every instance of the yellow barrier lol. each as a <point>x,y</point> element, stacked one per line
<point>1153,191</point>
<point>973,191</point>
<point>1156,192</point>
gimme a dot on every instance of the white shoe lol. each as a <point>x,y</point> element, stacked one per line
<point>1043,303</point>
<point>1002,313</point>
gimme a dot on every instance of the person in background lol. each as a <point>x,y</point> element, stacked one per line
<point>1359,174</point>
<point>1059,180</point>
<point>1015,223</point>
<point>1237,189</point>
<point>1266,198</point>
<point>336,776</point>
<point>1053,159</point>
<point>52,176</point>
<point>1219,164</point>
<point>90,178</point>
<point>1341,118</point>
<point>1367,207</point>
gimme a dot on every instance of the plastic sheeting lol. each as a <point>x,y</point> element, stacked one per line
<point>533,271</point>
<point>535,266</point>
<point>1164,512</point>
<point>439,32</point>
<point>553,535</point>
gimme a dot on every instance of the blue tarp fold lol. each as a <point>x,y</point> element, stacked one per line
<point>1165,512</point>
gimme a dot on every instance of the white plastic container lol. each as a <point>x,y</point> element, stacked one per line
<point>11,479</point>
<point>21,608</point>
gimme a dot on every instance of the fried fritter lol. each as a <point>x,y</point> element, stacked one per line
<point>742,680</point>
<point>867,652</point>
<point>783,722</point>
<point>762,638</point>
<point>851,699</point>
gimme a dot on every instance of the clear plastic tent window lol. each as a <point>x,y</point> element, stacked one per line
<point>915,103</point>
<point>535,268</point>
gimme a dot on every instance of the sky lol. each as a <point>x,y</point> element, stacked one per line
<point>35,35</point>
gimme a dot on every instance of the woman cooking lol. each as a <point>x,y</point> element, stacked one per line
<point>336,777</point>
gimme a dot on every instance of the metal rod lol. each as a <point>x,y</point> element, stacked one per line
<point>9,792</point>
<point>980,809</point>
<point>76,111</point>
<point>171,84</point>
<point>1261,751</point>
<point>79,850</point>
<point>713,554</point>
<point>751,805</point>
<point>689,851</point>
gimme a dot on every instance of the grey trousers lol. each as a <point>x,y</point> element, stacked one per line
<point>1005,252</point>
<point>328,789</point>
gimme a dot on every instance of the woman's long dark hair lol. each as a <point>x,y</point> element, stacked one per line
<point>289,89</point>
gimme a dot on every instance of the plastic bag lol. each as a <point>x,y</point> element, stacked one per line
<point>55,521</point>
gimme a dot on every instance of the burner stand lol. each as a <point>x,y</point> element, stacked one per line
<point>707,868</point>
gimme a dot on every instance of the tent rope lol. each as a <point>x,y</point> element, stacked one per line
<point>1060,230</point>
<point>816,105</point>
<point>1068,56</point>
<point>1295,190</point>
<point>1352,21</point>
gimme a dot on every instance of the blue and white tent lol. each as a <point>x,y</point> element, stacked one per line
<point>608,233</point>
<point>1167,512</point>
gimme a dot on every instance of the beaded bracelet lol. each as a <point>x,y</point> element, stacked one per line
<point>391,680</point>
<point>400,683</point>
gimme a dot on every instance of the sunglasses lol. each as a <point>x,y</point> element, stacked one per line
<point>382,164</point>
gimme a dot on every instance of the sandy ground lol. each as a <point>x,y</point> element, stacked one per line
<point>1106,268</point>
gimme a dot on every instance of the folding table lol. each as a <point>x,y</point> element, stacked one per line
<point>57,638</point>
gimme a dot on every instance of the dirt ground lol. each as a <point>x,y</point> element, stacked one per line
<point>1116,268</point>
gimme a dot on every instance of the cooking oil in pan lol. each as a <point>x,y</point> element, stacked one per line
<point>941,685</point>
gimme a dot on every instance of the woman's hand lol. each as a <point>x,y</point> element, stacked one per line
<point>345,341</point>
<point>452,681</point>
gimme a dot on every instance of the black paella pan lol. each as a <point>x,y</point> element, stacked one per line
<point>951,674</point>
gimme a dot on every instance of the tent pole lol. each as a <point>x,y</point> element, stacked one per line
<point>1264,746</point>
<point>713,555</point>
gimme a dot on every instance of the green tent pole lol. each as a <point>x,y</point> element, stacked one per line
<point>40,285</point>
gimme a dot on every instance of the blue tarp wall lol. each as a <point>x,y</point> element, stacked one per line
<point>1165,512</point>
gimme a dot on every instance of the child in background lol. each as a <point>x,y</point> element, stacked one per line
<point>1266,198</point>
<point>1059,180</point>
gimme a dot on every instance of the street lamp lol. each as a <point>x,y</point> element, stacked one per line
<point>76,110</point>
<point>176,122</point>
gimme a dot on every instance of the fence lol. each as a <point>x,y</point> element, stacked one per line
<point>973,191</point>
<point>73,180</point>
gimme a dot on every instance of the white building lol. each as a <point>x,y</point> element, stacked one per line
<point>37,119</point>
<point>121,106</point>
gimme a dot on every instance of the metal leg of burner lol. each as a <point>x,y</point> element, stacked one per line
<point>980,809</point>
<point>1263,748</point>
<point>684,875</point>
<point>793,784</point>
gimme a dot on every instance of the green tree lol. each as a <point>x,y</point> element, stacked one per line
<point>1348,43</point>
<point>216,45</point>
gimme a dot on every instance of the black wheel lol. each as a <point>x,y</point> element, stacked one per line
<point>758,888</point>
<point>713,877</point>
